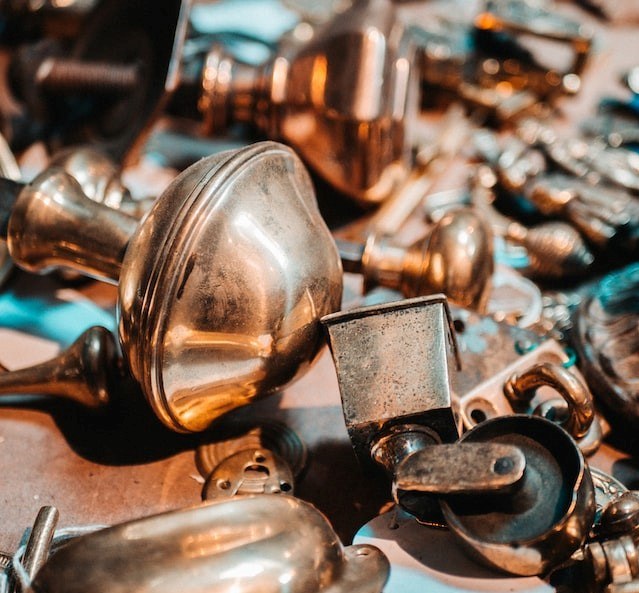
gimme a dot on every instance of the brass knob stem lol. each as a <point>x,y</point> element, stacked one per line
<point>457,260</point>
<point>522,387</point>
<point>229,91</point>
<point>82,373</point>
<point>383,263</point>
<point>53,224</point>
<point>219,300</point>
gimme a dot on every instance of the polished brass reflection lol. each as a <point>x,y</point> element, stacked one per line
<point>346,99</point>
<point>87,372</point>
<point>242,545</point>
<point>456,259</point>
<point>100,179</point>
<point>96,173</point>
<point>221,286</point>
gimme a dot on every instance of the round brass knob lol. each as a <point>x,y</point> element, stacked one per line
<point>456,258</point>
<point>347,100</point>
<point>221,286</point>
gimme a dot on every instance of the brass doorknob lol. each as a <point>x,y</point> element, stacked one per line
<point>221,286</point>
<point>456,259</point>
<point>346,100</point>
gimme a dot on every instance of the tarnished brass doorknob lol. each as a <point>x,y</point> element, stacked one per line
<point>221,287</point>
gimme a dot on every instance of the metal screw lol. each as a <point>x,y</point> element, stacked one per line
<point>64,75</point>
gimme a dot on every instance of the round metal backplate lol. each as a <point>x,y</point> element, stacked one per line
<point>545,518</point>
<point>252,471</point>
<point>133,32</point>
<point>238,435</point>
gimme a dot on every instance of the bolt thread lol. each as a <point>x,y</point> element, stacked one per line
<point>65,75</point>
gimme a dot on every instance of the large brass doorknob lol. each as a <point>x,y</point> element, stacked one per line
<point>221,286</point>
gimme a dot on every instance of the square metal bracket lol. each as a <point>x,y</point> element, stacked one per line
<point>393,366</point>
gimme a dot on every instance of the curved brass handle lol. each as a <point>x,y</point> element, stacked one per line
<point>522,387</point>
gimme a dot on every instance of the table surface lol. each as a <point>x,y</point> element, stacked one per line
<point>104,470</point>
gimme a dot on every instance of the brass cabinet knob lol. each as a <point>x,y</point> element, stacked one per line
<point>221,286</point>
<point>456,259</point>
<point>87,372</point>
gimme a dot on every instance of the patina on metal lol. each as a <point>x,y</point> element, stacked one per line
<point>462,468</point>
<point>614,563</point>
<point>549,515</point>
<point>250,471</point>
<point>393,365</point>
<point>494,358</point>
<point>523,386</point>
<point>346,100</point>
<point>245,544</point>
<point>237,434</point>
<point>221,287</point>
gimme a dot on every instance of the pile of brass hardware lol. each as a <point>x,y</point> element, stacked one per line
<point>485,338</point>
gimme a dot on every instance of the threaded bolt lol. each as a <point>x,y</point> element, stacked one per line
<point>69,75</point>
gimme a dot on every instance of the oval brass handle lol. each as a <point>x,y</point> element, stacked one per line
<point>522,387</point>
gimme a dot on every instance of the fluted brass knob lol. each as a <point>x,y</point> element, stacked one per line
<point>346,100</point>
<point>221,286</point>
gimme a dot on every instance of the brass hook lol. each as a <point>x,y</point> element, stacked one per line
<point>522,387</point>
